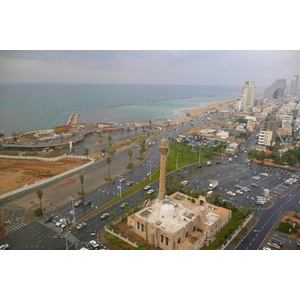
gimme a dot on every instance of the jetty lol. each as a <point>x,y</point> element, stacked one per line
<point>119,105</point>
<point>161,100</point>
<point>74,119</point>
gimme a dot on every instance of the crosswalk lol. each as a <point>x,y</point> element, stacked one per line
<point>70,237</point>
<point>15,227</point>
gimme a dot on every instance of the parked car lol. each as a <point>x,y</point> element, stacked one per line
<point>4,247</point>
<point>185,182</point>
<point>256,177</point>
<point>298,242</point>
<point>61,221</point>
<point>87,203</point>
<point>150,192</point>
<point>147,187</point>
<point>231,193</point>
<point>267,248</point>
<point>245,189</point>
<point>218,162</point>
<point>148,174</point>
<point>81,225</point>
<point>237,186</point>
<point>104,216</point>
<point>48,219</point>
<point>264,174</point>
<point>254,184</point>
<point>239,192</point>
<point>123,204</point>
<point>93,232</point>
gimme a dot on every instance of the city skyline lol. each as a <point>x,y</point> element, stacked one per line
<point>185,67</point>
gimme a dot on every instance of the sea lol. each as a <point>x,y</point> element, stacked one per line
<point>35,106</point>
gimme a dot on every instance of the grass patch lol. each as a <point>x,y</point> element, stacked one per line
<point>286,228</point>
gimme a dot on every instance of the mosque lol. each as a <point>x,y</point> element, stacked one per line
<point>177,222</point>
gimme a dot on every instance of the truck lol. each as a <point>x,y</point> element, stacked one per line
<point>213,184</point>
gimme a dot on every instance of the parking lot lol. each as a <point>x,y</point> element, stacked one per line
<point>233,174</point>
<point>288,243</point>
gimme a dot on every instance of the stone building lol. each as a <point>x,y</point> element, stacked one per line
<point>178,222</point>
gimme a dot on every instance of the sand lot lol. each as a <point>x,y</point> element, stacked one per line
<point>16,173</point>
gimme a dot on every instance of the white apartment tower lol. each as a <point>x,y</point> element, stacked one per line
<point>248,92</point>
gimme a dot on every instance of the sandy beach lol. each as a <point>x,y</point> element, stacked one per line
<point>199,112</point>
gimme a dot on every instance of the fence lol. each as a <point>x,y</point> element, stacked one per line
<point>46,158</point>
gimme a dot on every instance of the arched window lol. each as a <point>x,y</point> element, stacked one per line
<point>194,228</point>
<point>138,225</point>
<point>187,234</point>
<point>167,241</point>
<point>143,226</point>
<point>162,238</point>
<point>179,240</point>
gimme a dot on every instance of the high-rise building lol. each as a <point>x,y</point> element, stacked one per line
<point>276,89</point>
<point>248,92</point>
<point>294,85</point>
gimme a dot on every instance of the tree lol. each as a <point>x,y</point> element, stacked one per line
<point>109,139</point>
<point>39,193</point>
<point>127,209</point>
<point>112,215</point>
<point>141,152</point>
<point>81,178</point>
<point>86,150</point>
<point>178,173</point>
<point>108,161</point>
<point>137,202</point>
<point>72,150</point>
<point>130,152</point>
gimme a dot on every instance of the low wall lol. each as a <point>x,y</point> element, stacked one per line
<point>121,237</point>
<point>46,158</point>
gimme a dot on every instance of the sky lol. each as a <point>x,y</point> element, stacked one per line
<point>186,67</point>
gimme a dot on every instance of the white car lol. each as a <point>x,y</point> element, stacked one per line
<point>122,179</point>
<point>150,192</point>
<point>231,193</point>
<point>256,177</point>
<point>94,243</point>
<point>264,174</point>
<point>148,174</point>
<point>239,192</point>
<point>104,216</point>
<point>65,224</point>
<point>4,247</point>
<point>267,248</point>
<point>185,182</point>
<point>293,180</point>
<point>61,221</point>
<point>81,225</point>
<point>129,182</point>
<point>147,187</point>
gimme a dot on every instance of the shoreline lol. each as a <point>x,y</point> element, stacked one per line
<point>199,112</point>
<point>73,120</point>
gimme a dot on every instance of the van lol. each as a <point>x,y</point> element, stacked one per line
<point>209,194</point>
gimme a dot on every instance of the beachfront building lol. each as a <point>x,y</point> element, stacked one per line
<point>178,222</point>
<point>240,103</point>
<point>276,89</point>
<point>248,92</point>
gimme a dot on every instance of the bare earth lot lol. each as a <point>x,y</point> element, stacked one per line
<point>16,173</point>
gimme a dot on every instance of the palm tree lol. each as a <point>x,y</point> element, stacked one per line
<point>141,152</point>
<point>178,173</point>
<point>72,150</point>
<point>108,161</point>
<point>81,178</point>
<point>130,154</point>
<point>109,138</point>
<point>127,209</point>
<point>135,129</point>
<point>86,150</point>
<point>137,202</point>
<point>112,215</point>
<point>39,193</point>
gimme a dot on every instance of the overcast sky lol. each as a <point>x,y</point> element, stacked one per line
<point>188,67</point>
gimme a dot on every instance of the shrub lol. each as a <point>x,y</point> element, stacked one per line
<point>237,238</point>
<point>81,193</point>
<point>38,212</point>
<point>286,228</point>
<point>130,166</point>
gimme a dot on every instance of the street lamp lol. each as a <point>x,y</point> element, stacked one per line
<point>120,186</point>
<point>72,199</point>
<point>150,169</point>
<point>177,160</point>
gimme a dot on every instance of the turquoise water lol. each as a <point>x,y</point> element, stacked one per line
<point>25,107</point>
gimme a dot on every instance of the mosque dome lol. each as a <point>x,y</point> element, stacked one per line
<point>167,210</point>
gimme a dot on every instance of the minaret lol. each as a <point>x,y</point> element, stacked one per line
<point>163,149</point>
